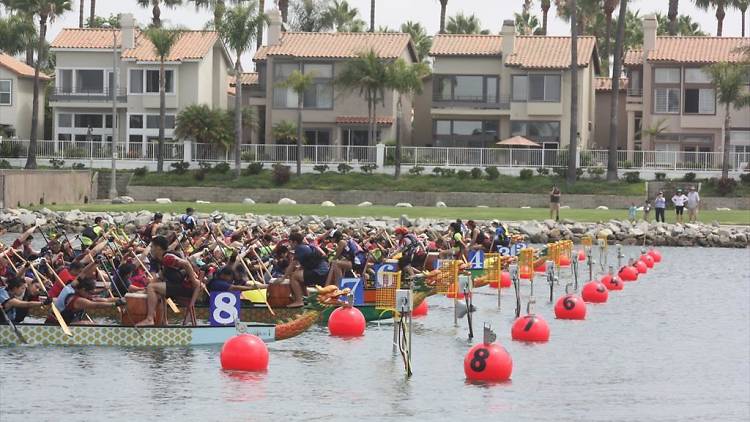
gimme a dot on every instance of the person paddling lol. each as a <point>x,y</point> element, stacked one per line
<point>307,269</point>
<point>13,302</point>
<point>83,298</point>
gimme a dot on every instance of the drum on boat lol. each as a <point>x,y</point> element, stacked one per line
<point>279,294</point>
<point>431,261</point>
<point>137,308</point>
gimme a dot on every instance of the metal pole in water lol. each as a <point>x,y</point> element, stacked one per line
<point>551,279</point>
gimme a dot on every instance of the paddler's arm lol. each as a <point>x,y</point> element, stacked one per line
<point>86,304</point>
<point>25,235</point>
<point>24,304</point>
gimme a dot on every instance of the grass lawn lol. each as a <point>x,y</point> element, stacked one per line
<point>506,214</point>
<point>358,181</point>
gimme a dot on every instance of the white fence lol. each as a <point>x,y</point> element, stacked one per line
<point>380,155</point>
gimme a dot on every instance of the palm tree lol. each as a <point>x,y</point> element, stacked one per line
<point>672,15</point>
<point>729,80</point>
<point>686,27</point>
<point>307,16</point>
<point>652,132</point>
<point>545,11</point>
<point>527,24</point>
<point>284,9</point>
<point>462,24</point>
<point>609,9</point>
<point>284,132</point>
<point>405,79</point>
<point>742,5</point>
<point>367,74</point>
<point>163,40</point>
<point>238,30</point>
<point>588,11</point>
<point>261,11</point>
<point>299,83</point>
<point>46,11</point>
<point>443,7</point>
<point>614,105</point>
<point>720,6</point>
<point>92,10</point>
<point>156,9</point>
<point>372,15</point>
<point>339,16</point>
<point>81,8</point>
<point>17,34</point>
<point>572,144</point>
<point>422,41</point>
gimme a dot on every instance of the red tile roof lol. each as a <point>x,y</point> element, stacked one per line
<point>192,45</point>
<point>338,45</point>
<point>697,50</point>
<point>20,68</point>
<point>362,120</point>
<point>529,52</point>
<point>605,84</point>
<point>247,78</point>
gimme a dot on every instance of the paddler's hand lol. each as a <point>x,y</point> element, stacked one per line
<point>120,301</point>
<point>47,301</point>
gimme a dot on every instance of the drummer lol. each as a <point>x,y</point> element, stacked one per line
<point>177,279</point>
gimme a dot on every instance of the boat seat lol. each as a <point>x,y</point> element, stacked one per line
<point>184,302</point>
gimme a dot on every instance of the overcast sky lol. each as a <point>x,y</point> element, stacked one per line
<point>392,13</point>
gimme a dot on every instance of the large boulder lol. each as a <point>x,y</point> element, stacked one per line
<point>248,201</point>
<point>202,202</point>
<point>287,201</point>
<point>327,204</point>
<point>28,219</point>
<point>163,201</point>
<point>440,204</point>
<point>123,200</point>
<point>365,204</point>
<point>403,205</point>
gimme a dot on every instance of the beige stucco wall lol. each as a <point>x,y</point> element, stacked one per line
<point>34,187</point>
<point>18,114</point>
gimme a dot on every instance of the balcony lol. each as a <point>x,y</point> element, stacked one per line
<point>477,103</point>
<point>61,94</point>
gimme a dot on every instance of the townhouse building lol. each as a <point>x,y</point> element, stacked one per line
<point>485,88</point>
<point>197,72</point>
<point>16,98</point>
<point>671,104</point>
<point>331,115</point>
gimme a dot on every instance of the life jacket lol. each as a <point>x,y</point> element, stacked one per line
<point>501,235</point>
<point>481,237</point>
<point>90,234</point>
<point>68,313</point>
<point>146,232</point>
<point>187,221</point>
<point>173,275</point>
<point>413,247</point>
<point>313,259</point>
<point>354,253</point>
<point>4,297</point>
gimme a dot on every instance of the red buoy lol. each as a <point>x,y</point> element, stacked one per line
<point>504,281</point>
<point>628,273</point>
<point>570,306</point>
<point>525,276</point>
<point>581,255</point>
<point>346,322</point>
<point>655,254</point>
<point>452,295</point>
<point>530,328</point>
<point>595,292</point>
<point>244,352</point>
<point>648,260</point>
<point>420,310</point>
<point>564,261</point>
<point>541,268</point>
<point>612,283</point>
<point>641,267</point>
<point>488,362</point>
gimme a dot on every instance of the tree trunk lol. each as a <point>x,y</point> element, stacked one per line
<point>608,35</point>
<point>369,118</point>
<point>162,117</point>
<point>372,15</point>
<point>572,144</point>
<point>743,22</point>
<point>81,6</point>
<point>719,19</point>
<point>443,6</point>
<point>397,160</point>
<point>284,9</point>
<point>156,15</point>
<point>259,37</point>
<point>30,56</point>
<point>725,160</point>
<point>238,115</point>
<point>31,153</point>
<point>672,15</point>
<point>300,133</point>
<point>545,11</point>
<point>92,11</point>
<point>614,105</point>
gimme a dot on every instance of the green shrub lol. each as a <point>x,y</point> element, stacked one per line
<point>247,156</point>
<point>543,171</point>
<point>5,164</point>
<point>560,171</point>
<point>627,164</point>
<point>476,173</point>
<point>689,177</point>
<point>200,175</point>
<point>526,174</point>
<point>368,168</point>
<point>344,168</point>
<point>596,172</point>
<point>141,171</point>
<point>75,152</point>
<point>56,163</point>
<point>660,176</point>
<point>281,174</point>
<point>492,173</point>
<point>205,165</point>
<point>437,171</point>
<point>579,173</point>
<point>448,172</point>
<point>416,170</point>
<point>632,176</point>
<point>253,169</point>
<point>180,167</point>
<point>744,177</point>
<point>78,166</point>
<point>11,150</point>
<point>222,168</point>
<point>462,174</point>
<point>726,186</point>
<point>321,168</point>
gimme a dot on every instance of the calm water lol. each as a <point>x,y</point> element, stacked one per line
<point>673,346</point>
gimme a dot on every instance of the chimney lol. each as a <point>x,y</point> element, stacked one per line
<point>127,30</point>
<point>274,27</point>
<point>649,33</point>
<point>509,37</point>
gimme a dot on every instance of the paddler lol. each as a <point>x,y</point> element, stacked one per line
<point>23,243</point>
<point>308,268</point>
<point>223,280</point>
<point>347,256</point>
<point>410,248</point>
<point>14,298</point>
<point>149,232</point>
<point>73,305</point>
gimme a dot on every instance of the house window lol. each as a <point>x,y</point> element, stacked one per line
<point>442,127</point>
<point>6,86</point>
<point>136,121</point>
<point>89,81</point>
<point>667,100</point>
<point>520,87</point>
<point>136,81</point>
<point>544,88</point>
<point>536,130</point>
<point>108,121</point>
<point>320,94</point>
<point>65,137</point>
<point>318,137</point>
<point>467,127</point>
<point>700,101</point>
<point>64,120</point>
<point>638,126</point>
<point>697,76</point>
<point>89,120</point>
<point>468,88</point>
<point>666,75</point>
<point>152,121</point>
<point>283,97</point>
<point>65,81</point>
<point>465,88</point>
<point>152,81</point>
<point>462,133</point>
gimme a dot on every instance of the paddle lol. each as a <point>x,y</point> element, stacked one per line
<point>244,265</point>
<point>169,301</point>
<point>13,326</point>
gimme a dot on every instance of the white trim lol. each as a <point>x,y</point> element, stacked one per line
<point>82,50</point>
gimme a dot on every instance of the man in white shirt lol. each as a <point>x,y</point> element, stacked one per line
<point>679,200</point>
<point>693,204</point>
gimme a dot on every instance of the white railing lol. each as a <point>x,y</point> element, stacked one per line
<point>380,155</point>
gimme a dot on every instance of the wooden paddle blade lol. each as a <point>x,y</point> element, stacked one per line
<point>61,321</point>
<point>172,306</point>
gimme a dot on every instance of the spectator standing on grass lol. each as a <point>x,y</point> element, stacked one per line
<point>679,199</point>
<point>660,204</point>
<point>693,204</point>
<point>554,203</point>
